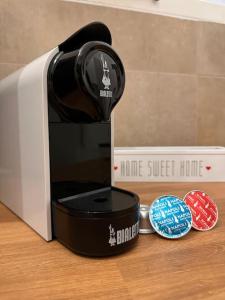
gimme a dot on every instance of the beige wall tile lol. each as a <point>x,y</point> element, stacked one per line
<point>211,49</point>
<point>136,115</point>
<point>172,44</point>
<point>52,22</point>
<point>6,69</point>
<point>33,27</point>
<point>177,98</point>
<point>19,32</point>
<point>157,110</point>
<point>211,111</point>
<point>144,41</point>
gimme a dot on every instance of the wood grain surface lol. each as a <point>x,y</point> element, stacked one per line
<point>190,268</point>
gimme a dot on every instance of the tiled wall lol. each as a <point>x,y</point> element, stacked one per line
<point>175,91</point>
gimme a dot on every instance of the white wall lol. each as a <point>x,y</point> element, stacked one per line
<point>191,9</point>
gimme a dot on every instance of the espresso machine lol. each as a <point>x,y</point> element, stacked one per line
<point>60,162</point>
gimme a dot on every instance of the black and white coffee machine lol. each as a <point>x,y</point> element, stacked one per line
<point>60,162</point>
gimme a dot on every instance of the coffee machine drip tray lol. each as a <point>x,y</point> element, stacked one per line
<point>98,223</point>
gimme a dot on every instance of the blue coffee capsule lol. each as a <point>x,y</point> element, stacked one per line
<point>170,217</point>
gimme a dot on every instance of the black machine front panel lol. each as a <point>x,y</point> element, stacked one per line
<point>83,88</point>
<point>80,157</point>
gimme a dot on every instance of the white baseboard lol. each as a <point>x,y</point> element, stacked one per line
<point>203,10</point>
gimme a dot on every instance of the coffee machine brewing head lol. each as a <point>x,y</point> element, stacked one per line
<point>88,81</point>
<point>100,74</point>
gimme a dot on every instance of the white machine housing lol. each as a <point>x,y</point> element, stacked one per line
<point>24,147</point>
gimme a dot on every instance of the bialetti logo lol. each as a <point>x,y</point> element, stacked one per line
<point>123,235</point>
<point>112,234</point>
<point>105,79</point>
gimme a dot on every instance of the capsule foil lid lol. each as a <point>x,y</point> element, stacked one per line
<point>170,217</point>
<point>204,210</point>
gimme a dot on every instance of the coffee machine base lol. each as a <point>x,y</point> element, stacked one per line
<point>105,224</point>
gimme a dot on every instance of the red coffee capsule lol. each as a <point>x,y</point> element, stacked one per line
<point>204,210</point>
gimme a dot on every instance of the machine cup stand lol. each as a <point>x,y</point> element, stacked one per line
<point>106,223</point>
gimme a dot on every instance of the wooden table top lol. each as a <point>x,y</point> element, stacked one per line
<point>190,268</point>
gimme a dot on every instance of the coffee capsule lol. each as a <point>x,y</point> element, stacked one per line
<point>204,210</point>
<point>145,226</point>
<point>170,217</point>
